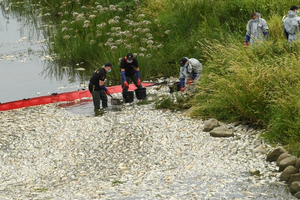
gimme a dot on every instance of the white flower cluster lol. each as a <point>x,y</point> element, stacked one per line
<point>112,8</point>
<point>66,37</point>
<point>64,29</point>
<point>142,49</point>
<point>101,25</point>
<point>145,30</point>
<point>113,21</point>
<point>146,22</point>
<point>86,24</point>
<point>80,17</point>
<point>116,28</point>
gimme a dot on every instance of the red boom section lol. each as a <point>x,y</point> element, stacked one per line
<point>68,96</point>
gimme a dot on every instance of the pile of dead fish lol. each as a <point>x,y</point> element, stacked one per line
<point>46,152</point>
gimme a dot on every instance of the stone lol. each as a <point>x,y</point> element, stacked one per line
<point>282,156</point>
<point>260,149</point>
<point>289,161</point>
<point>287,172</point>
<point>274,154</point>
<point>221,132</point>
<point>293,178</point>
<point>211,124</point>
<point>295,187</point>
<point>297,165</point>
<point>297,195</point>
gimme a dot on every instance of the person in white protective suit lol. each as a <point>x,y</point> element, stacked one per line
<point>291,24</point>
<point>190,72</point>
<point>257,29</point>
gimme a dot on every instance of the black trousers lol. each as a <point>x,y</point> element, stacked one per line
<point>97,96</point>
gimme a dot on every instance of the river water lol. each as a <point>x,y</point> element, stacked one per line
<point>24,69</point>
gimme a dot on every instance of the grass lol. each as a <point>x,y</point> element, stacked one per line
<point>143,102</point>
<point>116,183</point>
<point>259,85</point>
<point>175,102</point>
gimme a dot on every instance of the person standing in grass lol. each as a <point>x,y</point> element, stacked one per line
<point>291,24</point>
<point>97,87</point>
<point>257,29</point>
<point>129,67</point>
<point>190,72</point>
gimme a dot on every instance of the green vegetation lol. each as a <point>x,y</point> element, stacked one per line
<point>116,183</point>
<point>259,85</point>
<point>143,102</point>
<point>173,102</point>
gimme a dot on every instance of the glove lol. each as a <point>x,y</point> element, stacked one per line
<point>190,81</point>
<point>126,84</point>
<point>267,35</point>
<point>245,44</point>
<point>139,81</point>
<point>182,89</point>
<point>107,92</point>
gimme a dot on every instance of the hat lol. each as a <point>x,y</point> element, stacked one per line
<point>183,61</point>
<point>108,64</point>
<point>129,56</point>
<point>294,8</point>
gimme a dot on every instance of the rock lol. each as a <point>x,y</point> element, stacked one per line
<point>295,187</point>
<point>211,124</point>
<point>274,154</point>
<point>289,161</point>
<point>260,149</point>
<point>297,195</point>
<point>221,132</point>
<point>293,178</point>
<point>287,172</point>
<point>297,165</point>
<point>281,157</point>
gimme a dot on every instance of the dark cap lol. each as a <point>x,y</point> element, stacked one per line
<point>129,56</point>
<point>294,8</point>
<point>108,64</point>
<point>183,61</point>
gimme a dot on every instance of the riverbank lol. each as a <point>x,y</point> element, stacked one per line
<point>136,152</point>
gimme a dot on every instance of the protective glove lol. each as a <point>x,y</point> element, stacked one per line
<point>107,92</point>
<point>245,44</point>
<point>182,89</point>
<point>126,84</point>
<point>190,81</point>
<point>139,81</point>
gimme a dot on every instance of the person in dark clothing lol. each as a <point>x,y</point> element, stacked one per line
<point>129,67</point>
<point>97,87</point>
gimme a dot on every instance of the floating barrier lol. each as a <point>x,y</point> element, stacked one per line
<point>55,97</point>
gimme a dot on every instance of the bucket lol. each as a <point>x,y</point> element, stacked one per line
<point>140,93</point>
<point>175,87</point>
<point>128,96</point>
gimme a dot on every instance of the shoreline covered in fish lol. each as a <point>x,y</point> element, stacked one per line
<point>47,152</point>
